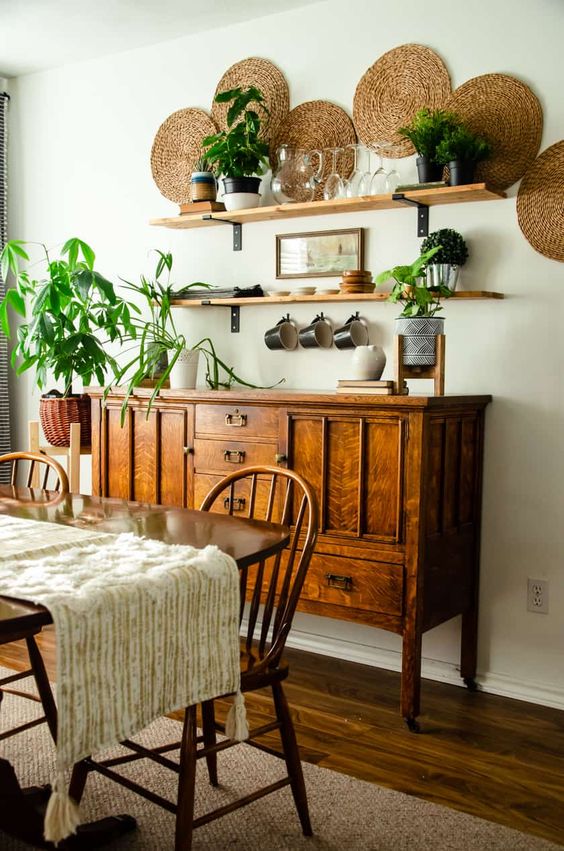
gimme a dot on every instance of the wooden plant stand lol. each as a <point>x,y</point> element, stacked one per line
<point>72,452</point>
<point>436,372</point>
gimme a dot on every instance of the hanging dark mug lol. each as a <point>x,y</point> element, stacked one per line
<point>283,336</point>
<point>352,334</point>
<point>318,335</point>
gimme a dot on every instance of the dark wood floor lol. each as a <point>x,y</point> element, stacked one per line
<point>496,758</point>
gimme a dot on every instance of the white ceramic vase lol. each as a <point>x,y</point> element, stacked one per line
<point>368,362</point>
<point>184,373</point>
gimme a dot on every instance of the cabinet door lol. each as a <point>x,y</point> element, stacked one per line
<point>355,465</point>
<point>145,458</point>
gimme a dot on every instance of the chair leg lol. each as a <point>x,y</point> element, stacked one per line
<point>43,685</point>
<point>208,724</point>
<point>78,780</point>
<point>186,783</point>
<point>292,757</point>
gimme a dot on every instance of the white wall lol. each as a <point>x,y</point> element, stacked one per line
<point>81,137</point>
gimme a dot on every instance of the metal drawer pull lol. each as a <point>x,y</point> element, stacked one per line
<point>238,503</point>
<point>234,456</point>
<point>238,420</point>
<point>345,583</point>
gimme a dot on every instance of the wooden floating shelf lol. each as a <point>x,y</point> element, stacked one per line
<point>367,203</point>
<point>297,299</point>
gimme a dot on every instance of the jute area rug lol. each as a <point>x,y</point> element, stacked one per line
<point>345,813</point>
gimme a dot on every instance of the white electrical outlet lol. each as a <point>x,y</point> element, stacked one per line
<point>537,596</point>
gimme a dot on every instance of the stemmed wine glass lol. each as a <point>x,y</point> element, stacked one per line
<point>355,182</point>
<point>378,184</point>
<point>392,176</point>
<point>364,184</point>
<point>334,187</point>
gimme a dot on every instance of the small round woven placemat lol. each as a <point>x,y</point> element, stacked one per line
<point>318,124</point>
<point>266,77</point>
<point>540,203</point>
<point>509,115</point>
<point>389,94</point>
<point>176,149</point>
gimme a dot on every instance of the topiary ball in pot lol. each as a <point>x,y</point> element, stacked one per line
<point>444,267</point>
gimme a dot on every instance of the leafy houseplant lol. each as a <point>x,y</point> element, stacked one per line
<point>426,131</point>
<point>238,153</point>
<point>157,339</point>
<point>417,321</point>
<point>65,310</point>
<point>461,150</point>
<point>203,186</point>
<point>444,267</point>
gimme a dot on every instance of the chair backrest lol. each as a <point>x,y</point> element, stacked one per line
<point>45,469</point>
<point>282,496</point>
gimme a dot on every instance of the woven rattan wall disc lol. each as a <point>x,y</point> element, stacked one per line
<point>266,77</point>
<point>509,115</point>
<point>177,147</point>
<point>540,203</point>
<point>389,94</point>
<point>318,124</point>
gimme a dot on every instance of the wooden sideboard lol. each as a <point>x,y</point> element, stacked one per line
<point>398,480</point>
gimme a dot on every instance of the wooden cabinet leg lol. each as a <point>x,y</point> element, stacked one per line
<point>469,647</point>
<point>411,678</point>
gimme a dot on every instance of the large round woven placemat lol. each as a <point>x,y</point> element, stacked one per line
<point>540,203</point>
<point>509,115</point>
<point>389,94</point>
<point>176,149</point>
<point>318,124</point>
<point>266,77</point>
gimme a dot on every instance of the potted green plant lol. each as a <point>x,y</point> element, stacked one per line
<point>71,313</point>
<point>417,323</point>
<point>160,350</point>
<point>238,154</point>
<point>444,267</point>
<point>425,132</point>
<point>203,185</point>
<point>461,150</point>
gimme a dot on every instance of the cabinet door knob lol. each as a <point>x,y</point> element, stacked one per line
<point>188,450</point>
<point>280,458</point>
<point>234,456</point>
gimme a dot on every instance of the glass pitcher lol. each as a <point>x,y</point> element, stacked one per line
<point>296,178</point>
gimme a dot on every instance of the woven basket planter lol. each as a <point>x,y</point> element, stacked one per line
<point>56,416</point>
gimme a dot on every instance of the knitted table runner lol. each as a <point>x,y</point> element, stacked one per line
<point>143,628</point>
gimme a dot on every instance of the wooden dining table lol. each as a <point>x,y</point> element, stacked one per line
<point>246,541</point>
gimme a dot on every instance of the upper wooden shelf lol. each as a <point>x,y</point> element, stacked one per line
<point>425,197</point>
<point>295,299</point>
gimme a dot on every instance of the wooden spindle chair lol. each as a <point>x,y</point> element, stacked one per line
<point>54,476</point>
<point>279,496</point>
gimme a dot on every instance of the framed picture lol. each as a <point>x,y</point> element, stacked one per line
<point>321,254</point>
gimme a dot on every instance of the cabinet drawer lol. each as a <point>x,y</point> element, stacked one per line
<point>241,490</point>
<point>226,456</point>
<point>238,422</point>
<point>369,585</point>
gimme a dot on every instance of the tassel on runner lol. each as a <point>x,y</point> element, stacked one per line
<point>62,816</point>
<point>236,726</point>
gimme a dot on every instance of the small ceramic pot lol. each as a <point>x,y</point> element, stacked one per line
<point>184,373</point>
<point>318,335</point>
<point>368,362</point>
<point>419,338</point>
<point>203,186</point>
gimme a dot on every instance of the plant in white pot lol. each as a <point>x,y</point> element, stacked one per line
<point>161,351</point>
<point>444,267</point>
<point>417,323</point>
<point>71,313</point>
<point>239,154</point>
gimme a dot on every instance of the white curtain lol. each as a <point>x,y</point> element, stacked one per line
<point>4,399</point>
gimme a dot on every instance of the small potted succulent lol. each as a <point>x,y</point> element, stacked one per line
<point>444,267</point>
<point>239,154</point>
<point>203,185</point>
<point>417,322</point>
<point>426,131</point>
<point>461,150</point>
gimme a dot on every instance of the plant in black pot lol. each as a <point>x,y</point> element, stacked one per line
<point>417,322</point>
<point>461,150</point>
<point>71,313</point>
<point>238,153</point>
<point>425,132</point>
<point>444,267</point>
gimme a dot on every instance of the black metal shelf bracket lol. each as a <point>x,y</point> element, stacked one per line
<point>237,230</point>
<point>422,212</point>
<point>235,313</point>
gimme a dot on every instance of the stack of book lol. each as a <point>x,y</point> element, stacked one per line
<point>202,207</point>
<point>368,386</point>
